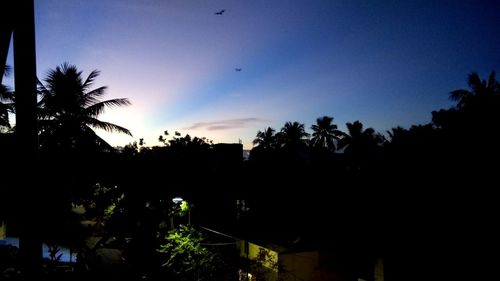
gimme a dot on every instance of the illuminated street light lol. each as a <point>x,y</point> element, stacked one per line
<point>177,200</point>
<point>184,206</point>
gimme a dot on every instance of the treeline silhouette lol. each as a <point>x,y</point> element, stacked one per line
<point>356,192</point>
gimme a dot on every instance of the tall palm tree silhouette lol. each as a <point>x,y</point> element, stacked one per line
<point>477,113</point>
<point>325,134</point>
<point>482,93</point>
<point>293,135</point>
<point>265,139</point>
<point>359,140</point>
<point>69,108</point>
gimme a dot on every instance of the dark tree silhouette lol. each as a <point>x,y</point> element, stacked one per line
<point>293,135</point>
<point>359,141</point>
<point>263,155</point>
<point>265,139</point>
<point>470,131</point>
<point>482,92</point>
<point>476,112</point>
<point>360,146</point>
<point>69,108</point>
<point>325,134</point>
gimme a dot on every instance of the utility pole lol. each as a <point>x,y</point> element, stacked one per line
<point>17,21</point>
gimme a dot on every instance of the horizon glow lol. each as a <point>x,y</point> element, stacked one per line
<point>385,63</point>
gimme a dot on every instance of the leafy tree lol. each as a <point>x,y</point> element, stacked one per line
<point>104,203</point>
<point>69,109</point>
<point>186,257</point>
<point>187,142</point>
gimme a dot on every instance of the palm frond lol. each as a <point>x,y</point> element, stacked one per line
<point>106,126</point>
<point>459,95</point>
<point>90,79</point>
<point>42,91</point>
<point>343,142</point>
<point>91,97</point>
<point>98,108</point>
<point>474,81</point>
<point>100,142</point>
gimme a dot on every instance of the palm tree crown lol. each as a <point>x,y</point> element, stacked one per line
<point>325,133</point>
<point>482,92</point>
<point>265,139</point>
<point>360,140</point>
<point>293,134</point>
<point>68,107</point>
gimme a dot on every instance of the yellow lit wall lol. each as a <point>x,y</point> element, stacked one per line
<point>253,252</point>
<point>3,230</point>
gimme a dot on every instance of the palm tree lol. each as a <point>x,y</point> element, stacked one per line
<point>325,134</point>
<point>399,135</point>
<point>69,108</point>
<point>265,139</point>
<point>360,142</point>
<point>477,113</point>
<point>293,135</point>
<point>483,92</point>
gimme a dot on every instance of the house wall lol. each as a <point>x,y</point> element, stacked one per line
<point>253,252</point>
<point>266,269</point>
<point>3,230</point>
<point>298,266</point>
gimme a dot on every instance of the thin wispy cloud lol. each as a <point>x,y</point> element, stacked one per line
<point>225,124</point>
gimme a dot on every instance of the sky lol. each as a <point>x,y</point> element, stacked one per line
<point>385,63</point>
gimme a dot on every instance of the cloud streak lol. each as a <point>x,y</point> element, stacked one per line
<point>225,124</point>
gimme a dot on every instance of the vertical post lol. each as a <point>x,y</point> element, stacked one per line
<point>26,133</point>
<point>247,252</point>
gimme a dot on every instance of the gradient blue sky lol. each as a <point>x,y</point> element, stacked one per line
<point>385,63</point>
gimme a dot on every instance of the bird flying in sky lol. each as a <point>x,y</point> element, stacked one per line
<point>220,12</point>
<point>237,69</point>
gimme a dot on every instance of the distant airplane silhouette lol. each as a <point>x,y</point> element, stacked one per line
<point>237,69</point>
<point>220,12</point>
